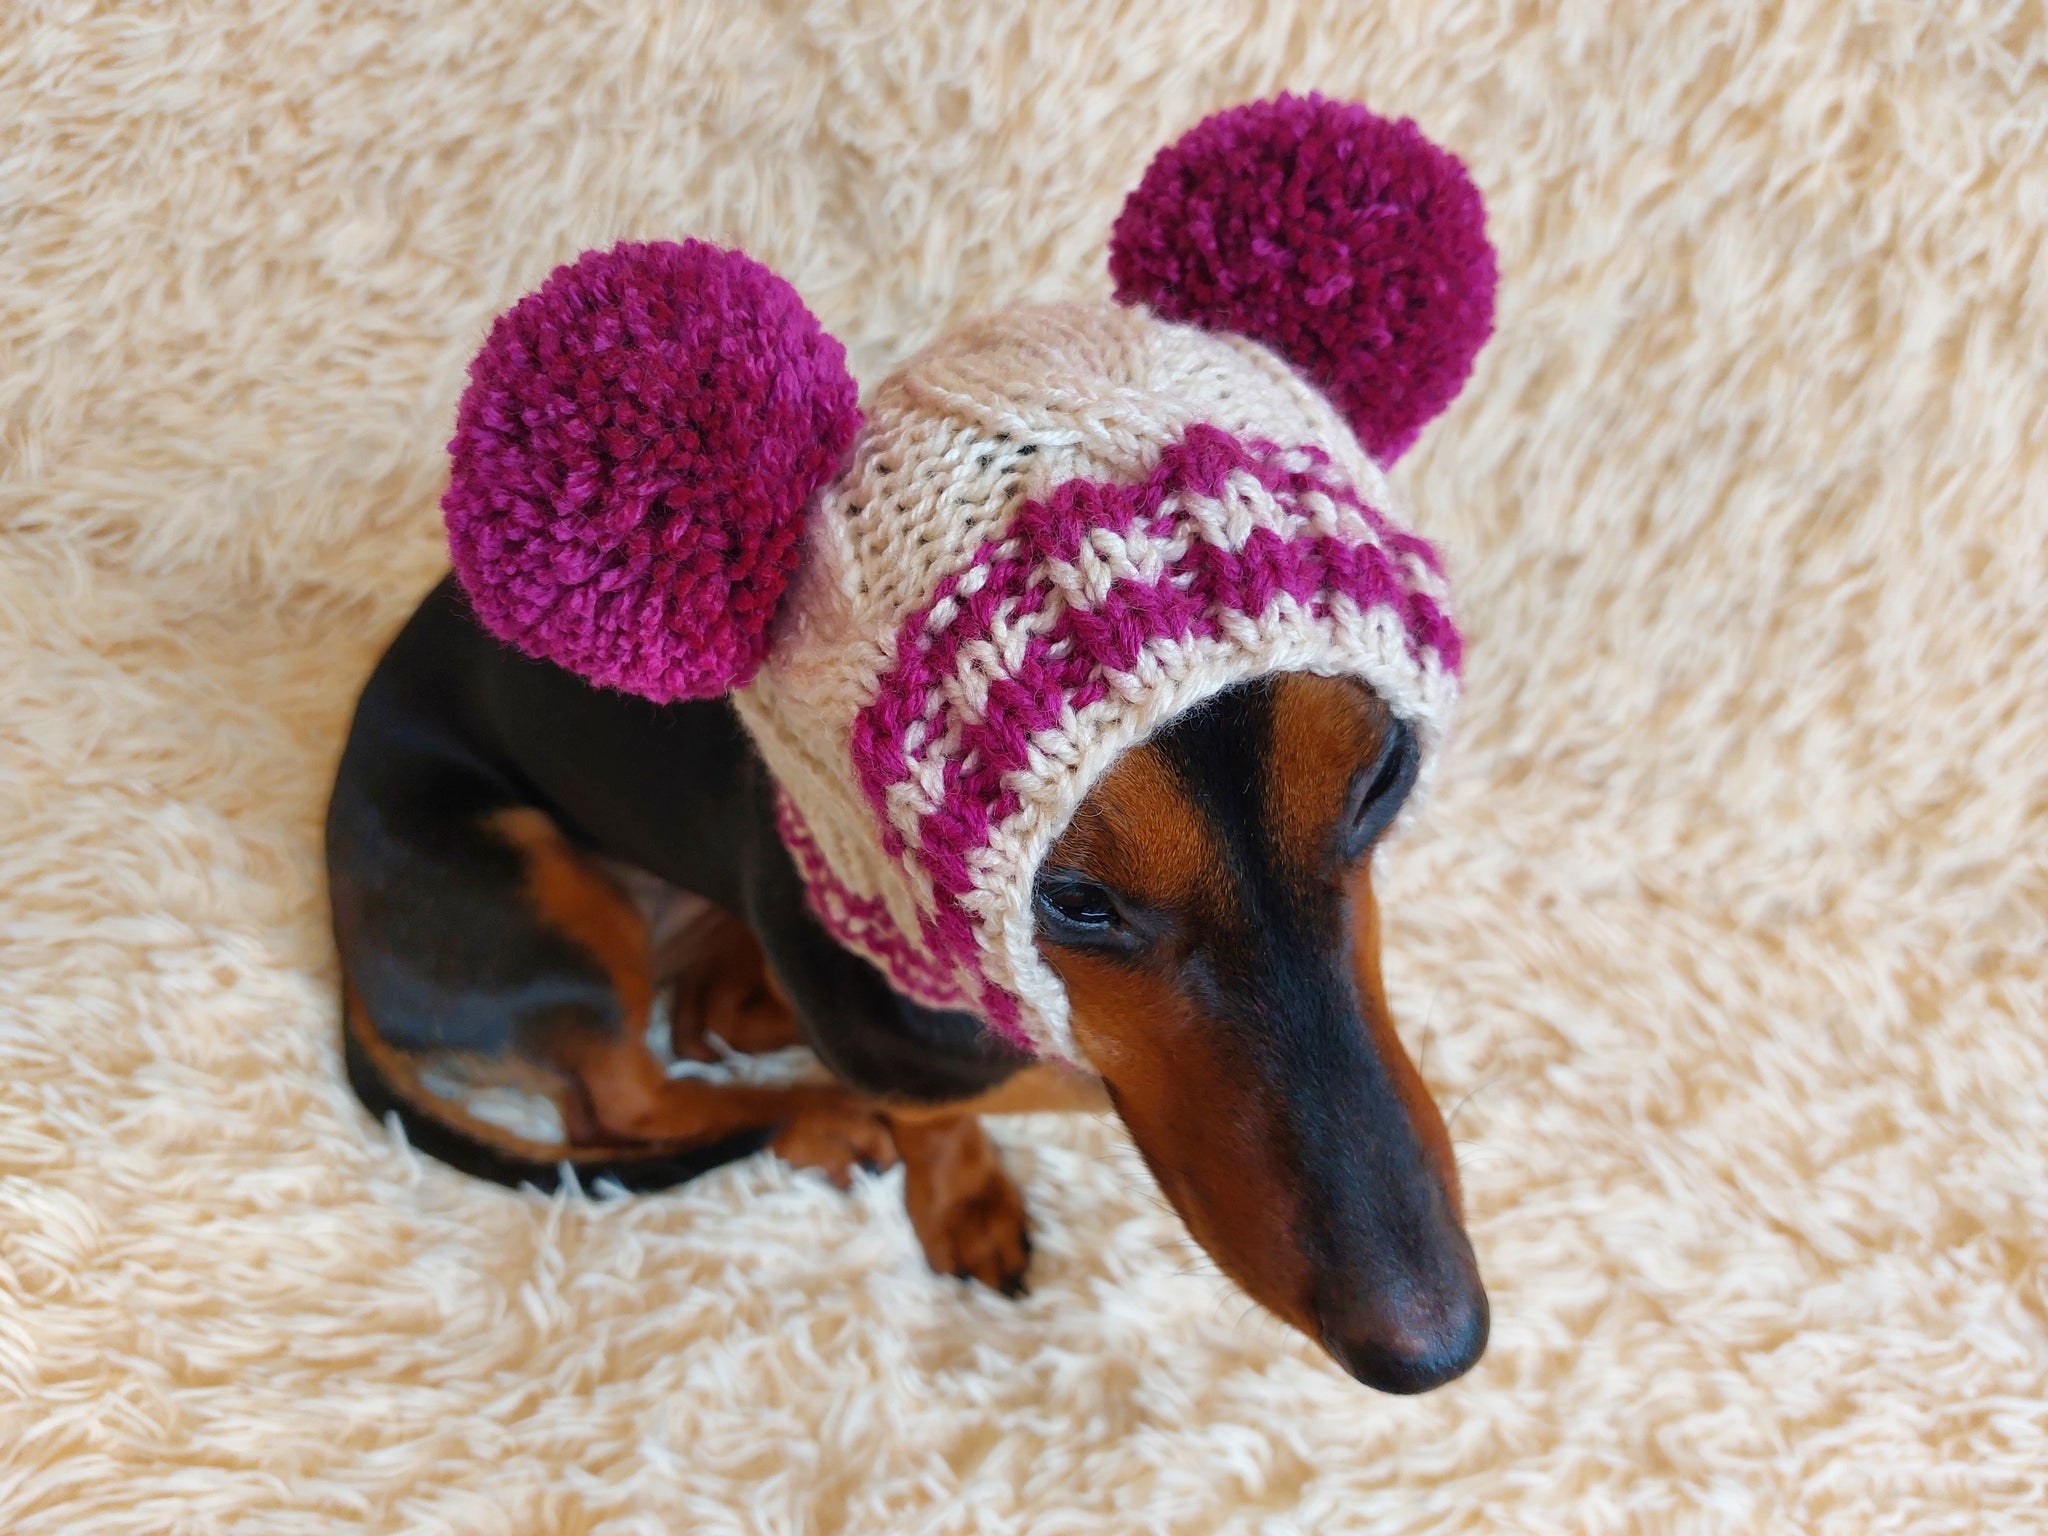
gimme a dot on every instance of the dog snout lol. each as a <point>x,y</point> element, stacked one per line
<point>1410,1337</point>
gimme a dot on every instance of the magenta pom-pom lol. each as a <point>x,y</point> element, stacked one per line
<point>1351,245</point>
<point>631,463</point>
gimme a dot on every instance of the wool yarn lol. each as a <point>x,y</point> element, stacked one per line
<point>631,462</point>
<point>1056,529</point>
<point>1351,245</point>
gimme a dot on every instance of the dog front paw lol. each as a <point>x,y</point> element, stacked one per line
<point>968,1215</point>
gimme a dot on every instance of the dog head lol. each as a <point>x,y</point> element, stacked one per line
<point>1210,911</point>
<point>1039,622</point>
<point>943,612</point>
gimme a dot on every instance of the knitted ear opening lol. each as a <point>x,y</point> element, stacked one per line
<point>631,463</point>
<point>1351,245</point>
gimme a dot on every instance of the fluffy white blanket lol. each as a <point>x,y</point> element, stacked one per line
<point>1726,931</point>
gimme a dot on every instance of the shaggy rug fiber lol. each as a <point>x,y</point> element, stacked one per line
<point>1725,933</point>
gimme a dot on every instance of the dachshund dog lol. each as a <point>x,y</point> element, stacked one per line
<point>496,827</point>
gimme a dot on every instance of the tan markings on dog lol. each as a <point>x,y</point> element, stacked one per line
<point>1324,730</point>
<point>575,897</point>
<point>1203,1128</point>
<point>1137,833</point>
<point>401,1073</point>
<point>1422,1110</point>
<point>722,986</point>
<point>630,1096</point>
<point>968,1214</point>
<point>1043,1088</point>
<point>1171,1075</point>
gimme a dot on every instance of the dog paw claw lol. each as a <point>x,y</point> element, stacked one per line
<point>981,1235</point>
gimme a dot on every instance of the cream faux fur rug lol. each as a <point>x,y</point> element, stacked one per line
<point>1726,930</point>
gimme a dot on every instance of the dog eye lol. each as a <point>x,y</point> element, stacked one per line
<point>1379,792</point>
<point>1079,907</point>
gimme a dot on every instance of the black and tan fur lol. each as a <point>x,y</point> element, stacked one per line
<point>1210,911</point>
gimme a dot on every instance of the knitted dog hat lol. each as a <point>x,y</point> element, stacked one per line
<point>1047,535</point>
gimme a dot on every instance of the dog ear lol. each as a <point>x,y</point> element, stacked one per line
<point>1352,246</point>
<point>632,460</point>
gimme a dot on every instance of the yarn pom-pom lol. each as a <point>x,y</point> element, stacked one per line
<point>631,463</point>
<point>1352,246</point>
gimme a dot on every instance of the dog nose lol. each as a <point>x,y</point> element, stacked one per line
<point>1409,1340</point>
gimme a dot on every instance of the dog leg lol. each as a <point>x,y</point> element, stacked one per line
<point>631,1099</point>
<point>968,1216</point>
<point>617,1078</point>
<point>722,986</point>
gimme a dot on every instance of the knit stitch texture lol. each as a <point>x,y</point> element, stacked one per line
<point>1721,931</point>
<point>1351,245</point>
<point>1061,527</point>
<point>631,462</point>
<point>1091,600</point>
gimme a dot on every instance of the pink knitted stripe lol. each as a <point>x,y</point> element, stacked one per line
<point>1007,574</point>
<point>1066,665</point>
<point>863,924</point>
<point>1070,658</point>
<point>1069,664</point>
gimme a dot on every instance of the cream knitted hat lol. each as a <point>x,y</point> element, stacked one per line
<point>1058,528</point>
